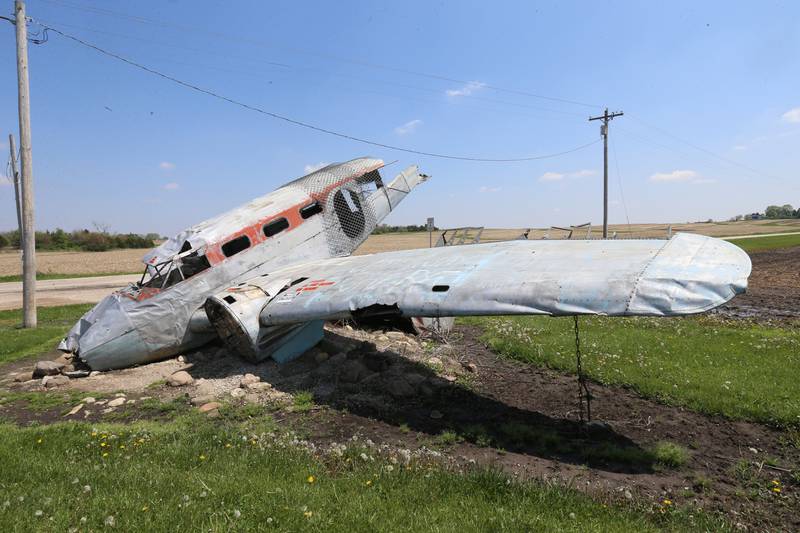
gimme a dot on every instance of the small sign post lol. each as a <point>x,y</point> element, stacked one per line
<point>430,232</point>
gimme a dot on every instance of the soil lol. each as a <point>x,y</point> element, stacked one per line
<point>773,290</point>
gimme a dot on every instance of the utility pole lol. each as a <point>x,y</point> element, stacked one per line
<point>29,233</point>
<point>15,177</point>
<point>606,118</point>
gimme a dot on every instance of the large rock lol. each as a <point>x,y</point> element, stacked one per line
<point>399,388</point>
<point>210,406</point>
<point>47,368</point>
<point>48,382</point>
<point>202,400</point>
<point>179,379</point>
<point>249,379</point>
<point>116,402</point>
<point>352,371</point>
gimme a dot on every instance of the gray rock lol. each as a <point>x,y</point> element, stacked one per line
<point>238,393</point>
<point>399,388</point>
<point>352,371</point>
<point>249,379</point>
<point>395,335</point>
<point>75,374</point>
<point>19,378</point>
<point>89,400</point>
<point>259,386</point>
<point>201,400</point>
<point>338,359</point>
<point>47,368</point>
<point>179,379</point>
<point>49,382</point>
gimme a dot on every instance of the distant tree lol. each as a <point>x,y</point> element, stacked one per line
<point>4,241</point>
<point>780,211</point>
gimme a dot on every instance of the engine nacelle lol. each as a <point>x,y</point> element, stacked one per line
<point>234,313</point>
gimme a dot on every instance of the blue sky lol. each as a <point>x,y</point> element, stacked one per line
<point>709,90</point>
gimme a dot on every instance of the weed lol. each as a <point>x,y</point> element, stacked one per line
<point>670,454</point>
<point>303,401</point>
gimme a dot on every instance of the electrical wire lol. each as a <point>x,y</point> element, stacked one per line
<point>158,23</point>
<point>298,122</point>
<point>619,183</point>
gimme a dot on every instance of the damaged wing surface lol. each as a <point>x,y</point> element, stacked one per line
<point>684,275</point>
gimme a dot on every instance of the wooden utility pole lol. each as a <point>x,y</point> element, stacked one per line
<point>26,164</point>
<point>606,118</point>
<point>15,177</point>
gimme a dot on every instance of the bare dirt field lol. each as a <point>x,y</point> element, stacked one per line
<point>773,289</point>
<point>113,261</point>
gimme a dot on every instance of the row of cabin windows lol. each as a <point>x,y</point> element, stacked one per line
<point>234,246</point>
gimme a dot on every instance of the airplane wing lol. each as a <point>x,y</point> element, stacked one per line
<point>684,275</point>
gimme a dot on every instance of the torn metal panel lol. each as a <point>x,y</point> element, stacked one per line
<point>687,274</point>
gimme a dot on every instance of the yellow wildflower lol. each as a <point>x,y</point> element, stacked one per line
<point>667,502</point>
<point>308,514</point>
<point>38,441</point>
<point>105,454</point>
<point>310,479</point>
<point>368,483</point>
<point>202,457</point>
<point>776,489</point>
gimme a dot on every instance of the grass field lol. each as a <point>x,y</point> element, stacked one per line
<point>757,244</point>
<point>54,322</point>
<point>737,369</point>
<point>197,474</point>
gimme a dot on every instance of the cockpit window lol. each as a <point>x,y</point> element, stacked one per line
<point>168,273</point>
<point>310,210</point>
<point>236,245</point>
<point>275,226</point>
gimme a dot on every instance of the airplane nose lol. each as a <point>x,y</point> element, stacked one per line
<point>105,338</point>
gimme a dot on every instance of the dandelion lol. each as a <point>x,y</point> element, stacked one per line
<point>776,490</point>
<point>202,457</point>
<point>38,441</point>
<point>776,482</point>
<point>237,513</point>
<point>667,502</point>
<point>87,489</point>
<point>38,514</point>
<point>311,479</point>
<point>308,514</point>
<point>94,434</point>
<point>368,483</point>
<point>228,445</point>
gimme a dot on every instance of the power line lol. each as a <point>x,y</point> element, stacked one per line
<point>298,122</point>
<point>144,20</point>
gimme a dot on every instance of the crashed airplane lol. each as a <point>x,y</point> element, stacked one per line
<point>265,277</point>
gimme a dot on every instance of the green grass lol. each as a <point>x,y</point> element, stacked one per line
<point>197,475</point>
<point>303,401</point>
<point>740,369</point>
<point>40,276</point>
<point>757,244</point>
<point>670,454</point>
<point>54,322</point>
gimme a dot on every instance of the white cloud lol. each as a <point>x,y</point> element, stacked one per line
<point>582,173</point>
<point>793,115</point>
<point>166,165</point>
<point>551,176</point>
<point>172,186</point>
<point>488,189</point>
<point>408,127</point>
<point>466,90</point>
<point>308,169</point>
<point>675,175</point>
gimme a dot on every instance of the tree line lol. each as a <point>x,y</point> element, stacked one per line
<point>90,241</point>
<point>772,212</point>
<point>385,228</point>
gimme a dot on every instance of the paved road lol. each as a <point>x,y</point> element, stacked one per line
<point>65,291</point>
